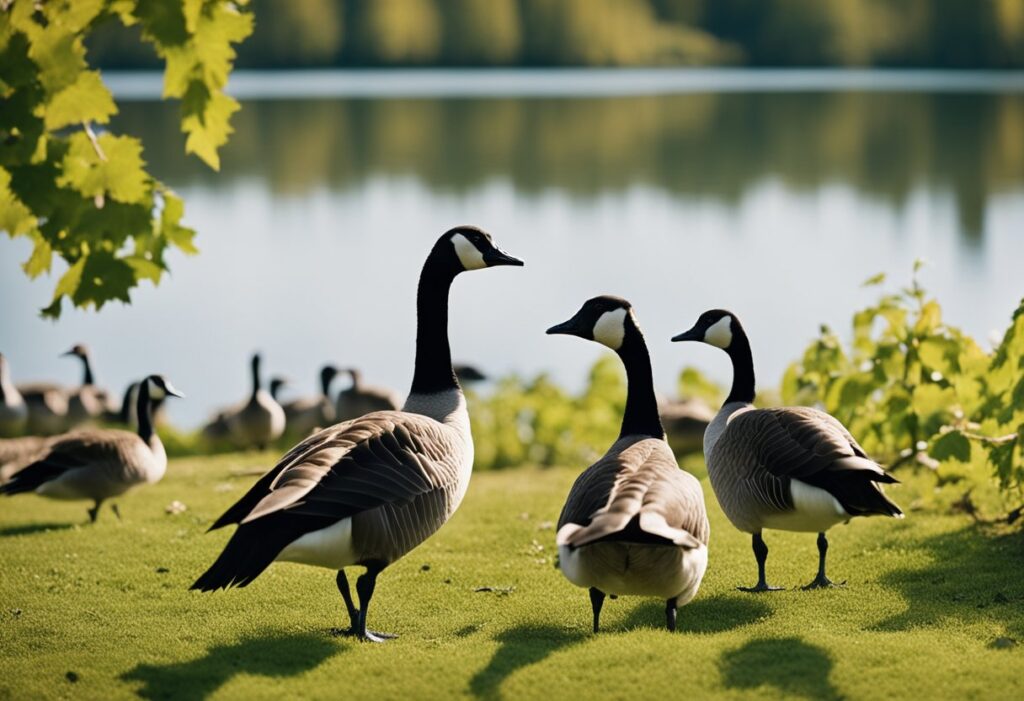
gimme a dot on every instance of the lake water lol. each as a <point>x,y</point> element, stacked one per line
<point>772,193</point>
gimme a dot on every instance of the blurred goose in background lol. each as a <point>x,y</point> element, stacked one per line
<point>685,421</point>
<point>787,468</point>
<point>304,414</point>
<point>361,398</point>
<point>47,405</point>
<point>87,403</point>
<point>468,374</point>
<point>276,383</point>
<point>368,491</point>
<point>260,421</point>
<point>13,411</point>
<point>98,464</point>
<point>633,523</point>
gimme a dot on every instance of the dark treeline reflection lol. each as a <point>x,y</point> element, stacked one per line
<point>713,146</point>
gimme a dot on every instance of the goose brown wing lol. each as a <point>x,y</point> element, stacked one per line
<point>69,452</point>
<point>811,446</point>
<point>382,458</point>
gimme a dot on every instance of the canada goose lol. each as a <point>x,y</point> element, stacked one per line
<point>276,383</point>
<point>303,415</point>
<point>13,411</point>
<point>87,403</point>
<point>261,420</point>
<point>787,468</point>
<point>685,422</point>
<point>47,405</point>
<point>633,523</point>
<point>98,464</point>
<point>366,492</point>
<point>468,374</point>
<point>360,398</point>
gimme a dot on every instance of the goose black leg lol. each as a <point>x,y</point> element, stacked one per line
<point>596,602</point>
<point>670,614</point>
<point>116,510</point>
<point>364,587</point>
<point>353,612</point>
<point>761,553</point>
<point>821,581</point>
<point>94,512</point>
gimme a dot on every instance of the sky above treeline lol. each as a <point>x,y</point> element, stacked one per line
<point>469,33</point>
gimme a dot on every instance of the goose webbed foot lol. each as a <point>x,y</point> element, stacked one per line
<point>823,582</point>
<point>760,587</point>
<point>367,636</point>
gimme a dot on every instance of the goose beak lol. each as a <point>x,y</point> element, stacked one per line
<point>691,335</point>
<point>496,256</point>
<point>171,391</point>
<point>566,328</point>
<point>67,353</point>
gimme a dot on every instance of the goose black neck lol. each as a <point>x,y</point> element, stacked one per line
<point>641,415</point>
<point>87,378</point>
<point>433,372</point>
<point>255,375</point>
<point>742,369</point>
<point>124,416</point>
<point>325,383</point>
<point>144,411</point>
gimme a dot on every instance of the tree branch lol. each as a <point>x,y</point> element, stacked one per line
<point>95,142</point>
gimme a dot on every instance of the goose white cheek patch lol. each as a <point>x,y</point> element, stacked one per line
<point>469,255</point>
<point>610,329</point>
<point>720,333</point>
<point>155,392</point>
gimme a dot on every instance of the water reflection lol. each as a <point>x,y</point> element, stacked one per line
<point>715,146</point>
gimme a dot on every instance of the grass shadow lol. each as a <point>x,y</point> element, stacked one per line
<point>520,647</point>
<point>276,656</point>
<point>713,614</point>
<point>969,578</point>
<point>30,528</point>
<point>792,666</point>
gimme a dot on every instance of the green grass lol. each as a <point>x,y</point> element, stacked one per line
<point>926,602</point>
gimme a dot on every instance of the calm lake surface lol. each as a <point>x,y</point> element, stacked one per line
<point>773,194</point>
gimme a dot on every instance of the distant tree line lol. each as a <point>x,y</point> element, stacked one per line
<point>366,33</point>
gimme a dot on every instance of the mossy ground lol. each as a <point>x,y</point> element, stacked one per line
<point>931,609</point>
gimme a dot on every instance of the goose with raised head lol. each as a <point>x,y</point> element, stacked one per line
<point>304,414</point>
<point>13,410</point>
<point>360,398</point>
<point>87,403</point>
<point>784,468</point>
<point>276,383</point>
<point>128,414</point>
<point>633,523</point>
<point>260,421</point>
<point>367,491</point>
<point>98,464</point>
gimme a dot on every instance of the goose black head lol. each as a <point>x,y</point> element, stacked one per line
<point>276,383</point>
<point>472,249</point>
<point>716,327</point>
<point>604,319</point>
<point>79,350</point>
<point>160,387</point>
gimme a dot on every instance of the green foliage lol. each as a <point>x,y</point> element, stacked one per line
<point>911,386</point>
<point>538,422</point>
<point>84,197</point>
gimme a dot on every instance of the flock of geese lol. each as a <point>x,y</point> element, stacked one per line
<point>380,479</point>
